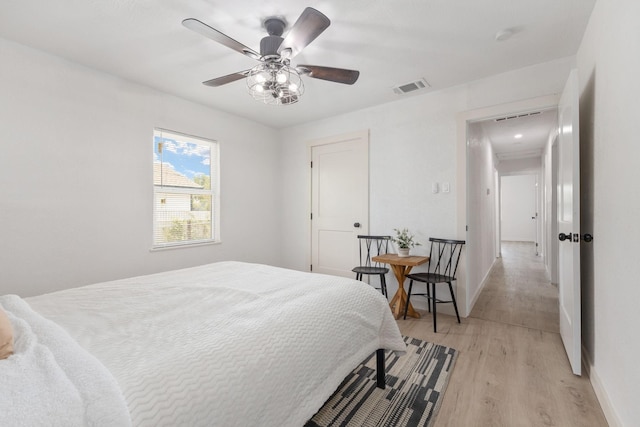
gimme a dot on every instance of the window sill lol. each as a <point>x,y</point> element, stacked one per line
<point>184,245</point>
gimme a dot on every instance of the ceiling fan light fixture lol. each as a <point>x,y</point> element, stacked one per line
<point>281,77</point>
<point>275,83</point>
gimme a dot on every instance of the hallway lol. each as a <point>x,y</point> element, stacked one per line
<point>512,369</point>
<point>518,291</point>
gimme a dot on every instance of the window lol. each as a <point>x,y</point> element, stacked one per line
<point>186,189</point>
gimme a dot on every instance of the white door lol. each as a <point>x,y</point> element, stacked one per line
<point>339,202</point>
<point>569,221</point>
<point>518,194</point>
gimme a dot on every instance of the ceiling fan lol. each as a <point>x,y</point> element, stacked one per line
<point>274,80</point>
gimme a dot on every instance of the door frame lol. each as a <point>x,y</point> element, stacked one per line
<point>465,300</point>
<point>335,139</point>
<point>552,242</point>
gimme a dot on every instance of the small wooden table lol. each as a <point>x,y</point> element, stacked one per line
<point>401,266</point>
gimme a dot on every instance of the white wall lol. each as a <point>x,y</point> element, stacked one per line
<point>481,211</point>
<point>406,155</point>
<point>550,206</point>
<point>608,67</point>
<point>518,193</point>
<point>76,176</point>
<point>520,166</point>
<point>413,143</point>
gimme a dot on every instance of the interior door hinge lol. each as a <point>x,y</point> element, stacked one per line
<point>312,216</point>
<point>311,267</point>
<point>311,165</point>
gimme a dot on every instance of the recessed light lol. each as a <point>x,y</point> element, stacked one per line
<point>503,35</point>
<point>517,136</point>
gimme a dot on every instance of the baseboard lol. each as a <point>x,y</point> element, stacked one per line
<point>601,394</point>
<point>421,304</point>
<point>481,287</point>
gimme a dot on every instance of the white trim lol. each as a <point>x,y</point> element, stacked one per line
<point>475,297</point>
<point>190,244</point>
<point>448,309</point>
<point>601,394</point>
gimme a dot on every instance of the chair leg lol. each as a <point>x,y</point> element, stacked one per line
<point>406,306</point>
<point>453,299</point>
<point>428,298</point>
<point>383,285</point>
<point>433,292</point>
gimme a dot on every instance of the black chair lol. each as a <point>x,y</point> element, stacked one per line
<point>371,246</point>
<point>443,264</point>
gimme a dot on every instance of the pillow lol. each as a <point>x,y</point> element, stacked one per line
<point>6,336</point>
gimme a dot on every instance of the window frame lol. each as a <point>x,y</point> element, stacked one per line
<point>213,192</point>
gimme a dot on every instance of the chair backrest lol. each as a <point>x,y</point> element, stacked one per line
<point>371,246</point>
<point>444,256</point>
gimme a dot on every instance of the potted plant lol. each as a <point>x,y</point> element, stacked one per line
<point>404,241</point>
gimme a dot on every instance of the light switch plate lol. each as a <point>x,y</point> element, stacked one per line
<point>445,187</point>
<point>434,187</point>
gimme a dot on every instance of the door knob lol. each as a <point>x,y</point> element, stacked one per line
<point>564,237</point>
<point>356,224</point>
<point>587,237</point>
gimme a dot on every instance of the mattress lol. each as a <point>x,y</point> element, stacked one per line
<point>225,344</point>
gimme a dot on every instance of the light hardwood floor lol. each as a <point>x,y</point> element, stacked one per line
<point>511,369</point>
<point>518,292</point>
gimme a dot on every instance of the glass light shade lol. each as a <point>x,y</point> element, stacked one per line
<point>275,83</point>
<point>281,77</point>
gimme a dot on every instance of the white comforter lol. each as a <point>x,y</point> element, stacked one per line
<point>50,380</point>
<point>226,344</point>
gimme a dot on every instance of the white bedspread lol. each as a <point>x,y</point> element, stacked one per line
<point>226,344</point>
<point>50,380</point>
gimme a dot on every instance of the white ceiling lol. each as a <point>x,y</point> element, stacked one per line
<point>533,128</point>
<point>390,42</point>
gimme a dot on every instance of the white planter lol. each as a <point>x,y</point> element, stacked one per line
<point>403,252</point>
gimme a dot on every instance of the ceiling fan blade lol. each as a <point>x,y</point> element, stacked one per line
<point>338,75</point>
<point>219,81</point>
<point>215,35</point>
<point>309,25</point>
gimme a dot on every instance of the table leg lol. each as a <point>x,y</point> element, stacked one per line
<point>399,300</point>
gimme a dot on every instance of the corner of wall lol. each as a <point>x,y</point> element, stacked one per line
<point>476,295</point>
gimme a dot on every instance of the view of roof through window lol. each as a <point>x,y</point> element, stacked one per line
<point>178,161</point>
<point>184,195</point>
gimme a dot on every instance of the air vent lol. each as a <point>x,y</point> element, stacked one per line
<point>411,87</point>
<point>517,116</point>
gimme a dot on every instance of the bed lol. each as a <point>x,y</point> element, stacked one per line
<point>223,344</point>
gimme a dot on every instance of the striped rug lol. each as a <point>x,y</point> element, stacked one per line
<point>416,383</point>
